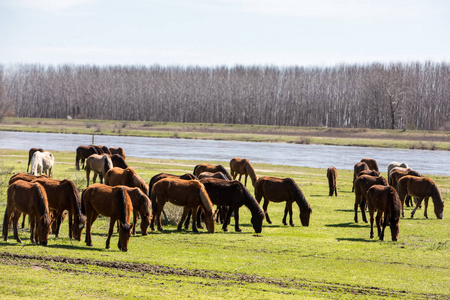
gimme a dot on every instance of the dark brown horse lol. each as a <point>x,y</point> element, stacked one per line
<point>421,188</point>
<point>118,161</point>
<point>112,202</point>
<point>242,166</point>
<point>362,185</point>
<point>211,168</point>
<point>141,207</point>
<point>101,149</point>
<point>358,168</point>
<point>384,200</point>
<point>62,195</point>
<point>190,194</point>
<point>30,155</point>
<point>99,164</point>
<point>233,194</point>
<point>128,177</point>
<point>82,153</point>
<point>30,199</point>
<point>371,163</point>
<point>117,150</point>
<point>332,175</point>
<point>282,189</point>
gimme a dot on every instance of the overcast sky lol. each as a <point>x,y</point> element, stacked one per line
<point>223,32</point>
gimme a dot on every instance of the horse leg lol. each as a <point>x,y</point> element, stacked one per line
<point>32,229</point>
<point>385,223</point>
<point>94,178</point>
<point>415,208</point>
<point>356,210</point>
<point>426,208</point>
<point>90,221</point>
<point>159,209</point>
<point>378,220</point>
<point>135,218</point>
<point>194,219</point>
<point>88,172</point>
<point>199,218</point>
<point>23,221</point>
<point>236,220</point>
<point>71,216</point>
<point>362,205</point>
<point>186,211</point>
<point>227,220</point>
<point>245,180</point>
<point>188,219</point>
<point>15,220</point>
<point>265,205</point>
<point>110,232</point>
<point>371,213</point>
<point>101,178</point>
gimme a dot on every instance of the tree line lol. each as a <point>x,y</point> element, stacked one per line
<point>393,96</point>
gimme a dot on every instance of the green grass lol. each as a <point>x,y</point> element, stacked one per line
<point>332,258</point>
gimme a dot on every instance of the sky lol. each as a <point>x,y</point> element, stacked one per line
<point>223,32</point>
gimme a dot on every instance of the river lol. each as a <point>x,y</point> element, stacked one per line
<point>316,156</point>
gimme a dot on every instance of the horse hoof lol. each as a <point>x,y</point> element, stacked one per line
<point>239,230</point>
<point>225,229</point>
<point>292,224</point>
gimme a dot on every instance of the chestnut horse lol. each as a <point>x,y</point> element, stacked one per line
<point>421,187</point>
<point>99,164</point>
<point>141,207</point>
<point>332,175</point>
<point>188,193</point>
<point>30,155</point>
<point>384,199</point>
<point>117,150</point>
<point>399,172</point>
<point>371,163</point>
<point>358,168</point>
<point>211,168</point>
<point>242,166</point>
<point>82,153</point>
<point>233,194</point>
<point>112,202</point>
<point>362,185</point>
<point>30,199</point>
<point>128,177</point>
<point>282,189</point>
<point>42,162</point>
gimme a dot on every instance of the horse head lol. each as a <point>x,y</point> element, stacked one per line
<point>78,226</point>
<point>257,221</point>
<point>439,211</point>
<point>124,235</point>
<point>393,223</point>
<point>43,229</point>
<point>304,216</point>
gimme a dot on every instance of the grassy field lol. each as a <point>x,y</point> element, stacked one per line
<point>409,139</point>
<point>333,258</point>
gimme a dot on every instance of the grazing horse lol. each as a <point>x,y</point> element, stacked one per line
<point>211,168</point>
<point>30,155</point>
<point>82,153</point>
<point>421,187</point>
<point>188,193</point>
<point>358,168</point>
<point>399,172</point>
<point>282,189</point>
<point>117,150</point>
<point>118,161</point>
<point>112,202</point>
<point>242,166</point>
<point>362,185</point>
<point>219,175</point>
<point>371,163</point>
<point>30,199</point>
<point>233,194</point>
<point>42,162</point>
<point>141,207</point>
<point>392,165</point>
<point>384,199</point>
<point>332,175</point>
<point>99,164</point>
<point>127,177</point>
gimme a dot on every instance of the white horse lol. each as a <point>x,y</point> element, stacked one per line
<point>393,165</point>
<point>42,162</point>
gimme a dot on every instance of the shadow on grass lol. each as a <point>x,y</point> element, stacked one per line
<point>348,225</point>
<point>357,240</point>
<point>345,210</point>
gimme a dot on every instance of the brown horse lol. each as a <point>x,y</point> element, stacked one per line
<point>141,207</point>
<point>219,175</point>
<point>117,150</point>
<point>211,168</point>
<point>371,163</point>
<point>233,194</point>
<point>362,185</point>
<point>188,193</point>
<point>384,199</point>
<point>82,153</point>
<point>396,174</point>
<point>128,177</point>
<point>421,187</point>
<point>242,166</point>
<point>30,155</point>
<point>118,161</point>
<point>358,168</point>
<point>99,164</point>
<point>332,175</point>
<point>112,202</point>
<point>282,189</point>
<point>30,199</point>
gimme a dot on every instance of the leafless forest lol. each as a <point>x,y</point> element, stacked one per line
<point>392,96</point>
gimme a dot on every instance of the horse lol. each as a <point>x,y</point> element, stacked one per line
<point>30,155</point>
<point>117,150</point>
<point>99,164</point>
<point>42,162</point>
<point>188,193</point>
<point>118,161</point>
<point>128,177</point>
<point>332,175</point>
<point>211,168</point>
<point>82,153</point>
<point>384,199</point>
<point>141,207</point>
<point>282,189</point>
<point>233,194</point>
<point>369,172</point>
<point>358,168</point>
<point>393,165</point>
<point>242,166</point>
<point>27,198</point>
<point>371,163</point>
<point>112,202</point>
<point>362,185</point>
<point>399,172</point>
<point>421,187</point>
<point>219,175</point>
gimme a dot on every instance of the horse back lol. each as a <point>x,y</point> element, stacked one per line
<point>418,186</point>
<point>275,189</point>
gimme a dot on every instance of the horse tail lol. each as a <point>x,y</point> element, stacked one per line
<point>122,202</point>
<point>195,170</point>
<point>152,195</point>
<point>7,215</point>
<point>82,204</point>
<point>40,198</point>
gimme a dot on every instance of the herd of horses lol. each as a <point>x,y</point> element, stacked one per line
<point>122,191</point>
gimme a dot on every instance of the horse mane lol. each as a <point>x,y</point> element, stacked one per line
<point>251,172</point>
<point>206,202</point>
<point>437,197</point>
<point>122,205</point>
<point>137,180</point>
<point>76,205</point>
<point>396,205</point>
<point>40,199</point>
<point>298,195</point>
<point>251,202</point>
